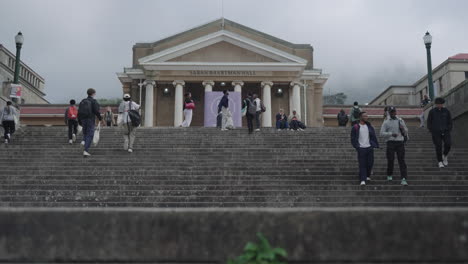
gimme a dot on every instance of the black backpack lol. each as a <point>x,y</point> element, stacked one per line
<point>356,112</point>
<point>134,115</point>
<point>251,107</point>
<point>85,109</point>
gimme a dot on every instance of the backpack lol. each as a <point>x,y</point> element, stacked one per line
<point>72,113</point>
<point>356,112</point>
<point>343,118</point>
<point>134,115</point>
<point>252,107</point>
<point>85,109</point>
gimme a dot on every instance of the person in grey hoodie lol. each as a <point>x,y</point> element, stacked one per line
<point>395,132</point>
<point>355,113</point>
<point>8,121</point>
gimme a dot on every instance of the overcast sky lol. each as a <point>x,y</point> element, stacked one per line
<point>365,45</point>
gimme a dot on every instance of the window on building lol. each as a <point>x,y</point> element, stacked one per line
<point>466,75</point>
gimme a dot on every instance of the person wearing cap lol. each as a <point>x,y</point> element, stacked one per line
<point>395,132</point>
<point>439,123</point>
<point>354,114</point>
<point>124,122</point>
<point>364,140</point>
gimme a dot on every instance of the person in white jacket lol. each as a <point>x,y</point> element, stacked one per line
<point>125,123</point>
<point>8,116</point>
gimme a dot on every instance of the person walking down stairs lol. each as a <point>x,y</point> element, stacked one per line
<point>8,116</point>
<point>395,132</point>
<point>88,110</point>
<point>125,122</point>
<point>71,120</point>
<point>223,108</point>
<point>439,123</point>
<point>364,140</point>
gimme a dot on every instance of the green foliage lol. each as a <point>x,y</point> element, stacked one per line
<point>111,101</point>
<point>261,253</point>
<point>335,99</point>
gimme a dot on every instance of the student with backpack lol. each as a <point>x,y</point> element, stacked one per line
<point>355,114</point>
<point>250,112</point>
<point>395,132</point>
<point>71,120</point>
<point>8,116</point>
<point>342,118</point>
<point>88,110</point>
<point>128,122</point>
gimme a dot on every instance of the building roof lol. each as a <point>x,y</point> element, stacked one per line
<point>22,62</point>
<point>459,56</point>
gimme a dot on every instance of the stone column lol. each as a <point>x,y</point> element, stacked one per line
<point>318,103</point>
<point>179,98</point>
<point>296,97</point>
<point>149,102</point>
<point>238,86</point>
<point>208,86</point>
<point>266,116</point>
<point>311,119</point>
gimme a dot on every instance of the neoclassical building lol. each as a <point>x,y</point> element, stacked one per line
<point>223,55</point>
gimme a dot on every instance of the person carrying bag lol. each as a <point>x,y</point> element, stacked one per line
<point>129,120</point>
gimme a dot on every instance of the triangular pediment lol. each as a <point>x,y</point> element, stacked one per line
<point>222,46</point>
<point>223,52</point>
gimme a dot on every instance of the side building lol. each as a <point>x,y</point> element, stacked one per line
<point>32,83</point>
<point>446,76</point>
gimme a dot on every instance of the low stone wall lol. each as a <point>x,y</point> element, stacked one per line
<point>457,103</point>
<point>380,235</point>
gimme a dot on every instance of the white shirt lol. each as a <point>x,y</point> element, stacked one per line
<point>259,104</point>
<point>123,111</point>
<point>364,136</point>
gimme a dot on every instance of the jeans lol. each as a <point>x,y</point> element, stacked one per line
<point>72,128</point>
<point>88,132</point>
<point>397,147</point>
<point>437,139</point>
<point>257,119</point>
<point>9,127</point>
<point>294,124</point>
<point>366,162</point>
<point>282,124</point>
<point>250,118</point>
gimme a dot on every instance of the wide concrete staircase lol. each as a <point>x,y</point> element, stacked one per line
<point>202,167</point>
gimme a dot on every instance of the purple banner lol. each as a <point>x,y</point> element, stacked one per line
<point>211,108</point>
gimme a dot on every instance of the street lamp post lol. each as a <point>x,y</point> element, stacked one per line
<point>428,41</point>
<point>19,39</point>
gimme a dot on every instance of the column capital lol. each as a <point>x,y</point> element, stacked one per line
<point>178,82</point>
<point>149,82</point>
<point>205,83</point>
<point>269,83</point>
<point>293,83</point>
<point>234,83</point>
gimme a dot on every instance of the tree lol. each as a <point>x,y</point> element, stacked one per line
<point>335,99</point>
<point>110,101</point>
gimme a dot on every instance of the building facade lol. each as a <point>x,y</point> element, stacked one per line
<point>31,82</point>
<point>223,55</point>
<point>446,76</point>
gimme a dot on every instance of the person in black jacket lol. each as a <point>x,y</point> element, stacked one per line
<point>88,111</point>
<point>342,118</point>
<point>439,123</point>
<point>364,140</point>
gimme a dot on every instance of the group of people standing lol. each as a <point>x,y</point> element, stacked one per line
<point>395,133</point>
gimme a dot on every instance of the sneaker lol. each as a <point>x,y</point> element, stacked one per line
<point>74,137</point>
<point>223,129</point>
<point>6,141</point>
<point>441,165</point>
<point>300,129</point>
<point>445,162</point>
<point>70,141</point>
<point>278,129</point>
<point>258,129</point>
<point>389,178</point>
<point>130,150</point>
<point>363,183</point>
<point>403,182</point>
<point>368,179</point>
<point>86,154</point>
<point>82,143</point>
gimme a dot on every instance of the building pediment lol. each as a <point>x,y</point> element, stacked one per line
<point>219,49</point>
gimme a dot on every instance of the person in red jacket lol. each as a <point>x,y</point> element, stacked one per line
<point>71,120</point>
